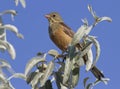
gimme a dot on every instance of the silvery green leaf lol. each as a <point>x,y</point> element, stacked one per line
<point>3,78</point>
<point>4,86</point>
<point>36,78</point>
<point>33,62</point>
<point>75,75</point>
<point>2,31</point>
<point>17,75</point>
<point>90,60</point>
<point>47,73</point>
<point>4,64</point>
<point>48,85</point>
<point>86,49</point>
<point>16,2</point>
<point>79,35</point>
<point>11,51</point>
<point>105,80</point>
<point>92,12</point>
<point>89,86</point>
<point>2,48</point>
<point>105,18</point>
<point>97,46</point>
<point>85,21</point>
<point>68,68</point>
<point>71,51</point>
<point>9,47</point>
<point>62,67</point>
<point>3,36</point>
<point>58,77</point>
<point>88,30</point>
<point>53,52</point>
<point>13,29</point>
<point>13,12</point>
<point>85,81</point>
<point>31,76</point>
<point>23,3</point>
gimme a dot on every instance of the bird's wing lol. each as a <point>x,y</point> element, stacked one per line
<point>67,30</point>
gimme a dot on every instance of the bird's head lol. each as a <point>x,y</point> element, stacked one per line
<point>53,17</point>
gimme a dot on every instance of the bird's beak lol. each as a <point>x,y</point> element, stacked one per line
<point>47,16</point>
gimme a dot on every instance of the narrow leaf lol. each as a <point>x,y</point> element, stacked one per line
<point>75,75</point>
<point>68,68</point>
<point>33,62</point>
<point>13,29</point>
<point>97,46</point>
<point>9,47</point>
<point>17,75</point>
<point>23,3</point>
<point>78,35</point>
<point>13,12</point>
<point>105,19</point>
<point>90,60</point>
<point>11,50</point>
<point>85,81</point>
<point>5,63</point>
<point>36,79</point>
<point>16,2</point>
<point>89,86</point>
<point>53,52</point>
<point>47,73</point>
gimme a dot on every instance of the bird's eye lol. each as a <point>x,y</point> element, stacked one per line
<point>54,15</point>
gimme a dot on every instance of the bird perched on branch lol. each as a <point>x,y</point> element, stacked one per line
<point>62,36</point>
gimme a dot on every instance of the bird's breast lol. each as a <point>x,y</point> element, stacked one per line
<point>60,38</point>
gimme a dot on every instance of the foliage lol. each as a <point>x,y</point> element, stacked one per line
<point>64,68</point>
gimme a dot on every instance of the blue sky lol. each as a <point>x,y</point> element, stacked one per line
<point>34,26</point>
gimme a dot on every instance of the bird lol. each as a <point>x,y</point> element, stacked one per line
<point>62,35</point>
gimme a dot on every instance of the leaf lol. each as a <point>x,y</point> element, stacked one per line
<point>2,31</point>
<point>58,77</point>
<point>85,49</point>
<point>47,73</point>
<point>16,2</point>
<point>92,12</point>
<point>17,75</point>
<point>36,79</point>
<point>75,75</point>
<point>13,29</point>
<point>85,81</point>
<point>48,85</point>
<point>3,78</point>
<point>97,46</point>
<point>68,68</point>
<point>71,52</point>
<point>33,62</point>
<point>89,86</point>
<point>5,63</point>
<point>9,47</point>
<point>12,12</point>
<point>23,3</point>
<point>53,52</point>
<point>97,18</point>
<point>88,30</point>
<point>105,80</point>
<point>11,51</point>
<point>78,35</point>
<point>90,60</point>
<point>30,77</point>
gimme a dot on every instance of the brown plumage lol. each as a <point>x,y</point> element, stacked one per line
<point>62,35</point>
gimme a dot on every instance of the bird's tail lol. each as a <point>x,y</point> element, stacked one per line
<point>97,73</point>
